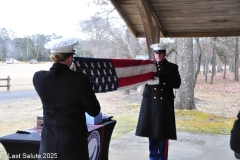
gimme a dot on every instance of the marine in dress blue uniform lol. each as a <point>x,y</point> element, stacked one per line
<point>65,95</point>
<point>235,137</point>
<point>156,117</point>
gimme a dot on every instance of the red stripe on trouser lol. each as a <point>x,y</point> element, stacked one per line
<point>166,150</point>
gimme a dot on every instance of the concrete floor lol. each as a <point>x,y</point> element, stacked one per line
<point>189,146</point>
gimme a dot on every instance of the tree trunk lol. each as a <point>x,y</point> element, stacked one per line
<point>232,64</point>
<point>213,62</point>
<point>219,64</point>
<point>206,70</point>
<point>185,94</point>
<point>236,61</point>
<point>199,61</point>
<point>225,68</point>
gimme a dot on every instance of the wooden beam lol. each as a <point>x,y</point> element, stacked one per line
<point>147,22</point>
<point>194,34</point>
<point>203,34</point>
<point>157,34</point>
<point>143,35</point>
<point>124,17</point>
<point>156,20</point>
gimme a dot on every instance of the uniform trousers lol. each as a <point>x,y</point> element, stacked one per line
<point>158,149</point>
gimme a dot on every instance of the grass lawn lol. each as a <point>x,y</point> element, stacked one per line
<point>186,121</point>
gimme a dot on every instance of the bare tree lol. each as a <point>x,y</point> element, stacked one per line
<point>206,49</point>
<point>96,30</point>
<point>106,39</point>
<point>219,63</point>
<point>5,43</point>
<point>199,59</point>
<point>236,60</point>
<point>225,49</point>
<point>39,51</point>
<point>101,2</point>
<point>213,60</point>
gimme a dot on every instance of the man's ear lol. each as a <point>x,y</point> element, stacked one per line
<point>70,58</point>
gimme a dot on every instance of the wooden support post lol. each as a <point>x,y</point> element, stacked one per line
<point>8,83</point>
<point>156,34</point>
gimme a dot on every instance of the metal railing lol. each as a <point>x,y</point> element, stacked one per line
<point>8,82</point>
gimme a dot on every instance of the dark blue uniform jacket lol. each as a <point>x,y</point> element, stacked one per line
<point>66,95</point>
<point>156,118</point>
<point>235,135</point>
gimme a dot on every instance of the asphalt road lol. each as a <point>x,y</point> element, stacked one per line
<point>6,97</point>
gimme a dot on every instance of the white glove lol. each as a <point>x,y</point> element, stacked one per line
<point>153,81</point>
<point>73,67</point>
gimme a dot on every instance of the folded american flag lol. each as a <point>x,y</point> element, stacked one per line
<point>115,74</point>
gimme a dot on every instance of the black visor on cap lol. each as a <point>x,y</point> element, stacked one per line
<point>159,51</point>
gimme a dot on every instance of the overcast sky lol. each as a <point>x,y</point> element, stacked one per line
<point>27,17</point>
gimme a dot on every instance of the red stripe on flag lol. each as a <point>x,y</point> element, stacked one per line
<point>117,63</point>
<point>126,81</point>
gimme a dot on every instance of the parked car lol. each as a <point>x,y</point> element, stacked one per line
<point>12,61</point>
<point>33,61</point>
